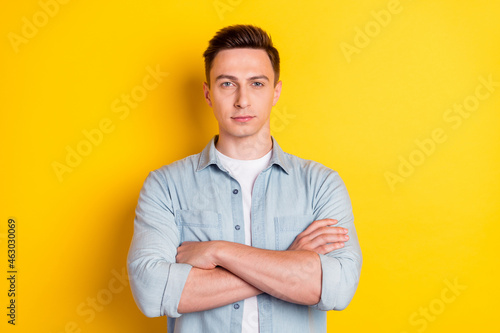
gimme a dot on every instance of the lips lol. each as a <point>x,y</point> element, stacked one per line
<point>243,119</point>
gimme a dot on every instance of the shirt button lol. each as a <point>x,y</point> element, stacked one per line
<point>237,227</point>
<point>236,306</point>
<point>235,191</point>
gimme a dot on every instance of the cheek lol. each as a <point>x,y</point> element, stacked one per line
<point>264,97</point>
<point>223,100</point>
<point>221,109</point>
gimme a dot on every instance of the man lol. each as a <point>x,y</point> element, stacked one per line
<point>243,237</point>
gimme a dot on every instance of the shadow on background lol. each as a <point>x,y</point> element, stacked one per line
<point>198,120</point>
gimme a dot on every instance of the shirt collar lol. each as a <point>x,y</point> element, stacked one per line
<point>208,156</point>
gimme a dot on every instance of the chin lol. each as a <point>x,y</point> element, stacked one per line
<point>243,132</point>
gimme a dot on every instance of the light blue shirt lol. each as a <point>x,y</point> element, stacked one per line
<point>195,199</point>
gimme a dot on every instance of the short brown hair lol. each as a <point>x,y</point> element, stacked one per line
<point>241,36</point>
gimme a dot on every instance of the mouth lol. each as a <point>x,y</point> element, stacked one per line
<point>243,119</point>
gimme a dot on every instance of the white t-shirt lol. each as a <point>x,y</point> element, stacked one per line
<point>246,172</point>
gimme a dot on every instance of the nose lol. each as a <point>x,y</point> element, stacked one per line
<point>242,99</point>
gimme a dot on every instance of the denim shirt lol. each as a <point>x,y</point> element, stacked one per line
<point>195,199</point>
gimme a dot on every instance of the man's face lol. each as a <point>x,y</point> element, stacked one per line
<point>242,92</point>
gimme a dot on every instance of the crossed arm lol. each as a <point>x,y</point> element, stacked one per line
<point>225,272</point>
<point>206,275</point>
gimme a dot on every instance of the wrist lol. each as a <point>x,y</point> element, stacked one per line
<point>223,252</point>
<point>217,250</point>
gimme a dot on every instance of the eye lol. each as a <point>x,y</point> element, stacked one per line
<point>258,84</point>
<point>226,84</point>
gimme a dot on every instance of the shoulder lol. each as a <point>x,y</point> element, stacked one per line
<point>179,169</point>
<point>326,187</point>
<point>311,169</point>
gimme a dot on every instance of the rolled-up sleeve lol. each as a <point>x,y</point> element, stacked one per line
<point>340,268</point>
<point>155,278</point>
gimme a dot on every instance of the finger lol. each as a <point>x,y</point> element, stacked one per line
<point>318,224</point>
<point>328,239</point>
<point>328,231</point>
<point>327,248</point>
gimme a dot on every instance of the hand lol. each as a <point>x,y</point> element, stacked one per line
<point>320,237</point>
<point>197,254</point>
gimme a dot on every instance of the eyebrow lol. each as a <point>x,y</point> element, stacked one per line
<point>234,78</point>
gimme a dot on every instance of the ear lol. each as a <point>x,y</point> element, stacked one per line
<point>277,93</point>
<point>206,92</point>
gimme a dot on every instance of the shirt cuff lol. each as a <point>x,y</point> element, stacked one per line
<point>177,278</point>
<point>330,283</point>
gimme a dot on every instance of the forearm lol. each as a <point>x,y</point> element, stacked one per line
<point>211,288</point>
<point>293,276</point>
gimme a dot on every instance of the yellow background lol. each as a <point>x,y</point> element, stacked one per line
<point>358,114</point>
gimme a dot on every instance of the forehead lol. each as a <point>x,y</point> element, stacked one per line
<point>241,61</point>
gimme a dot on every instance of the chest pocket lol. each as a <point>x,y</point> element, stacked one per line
<point>288,227</point>
<point>199,225</point>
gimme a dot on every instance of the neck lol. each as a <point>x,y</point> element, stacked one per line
<point>245,148</point>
